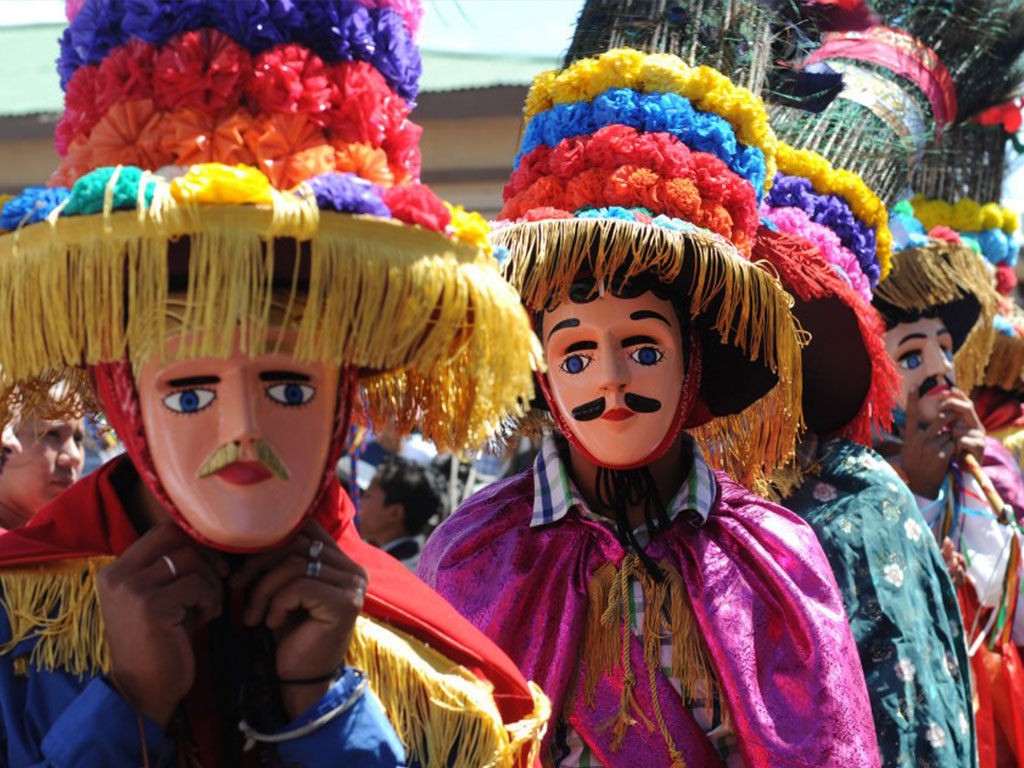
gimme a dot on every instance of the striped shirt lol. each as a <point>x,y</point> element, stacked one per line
<point>554,495</point>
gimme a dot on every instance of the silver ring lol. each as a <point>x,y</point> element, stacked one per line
<point>170,565</point>
<point>316,546</point>
<point>313,569</point>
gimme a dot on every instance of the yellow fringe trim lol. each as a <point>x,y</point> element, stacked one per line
<point>940,273</point>
<point>452,344</point>
<point>607,643</point>
<point>1012,439</point>
<point>754,315</point>
<point>1005,368</point>
<point>431,702</point>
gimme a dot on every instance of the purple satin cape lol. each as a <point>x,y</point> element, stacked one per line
<point>761,591</point>
<point>1004,472</point>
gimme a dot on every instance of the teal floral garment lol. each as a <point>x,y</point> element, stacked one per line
<point>901,603</point>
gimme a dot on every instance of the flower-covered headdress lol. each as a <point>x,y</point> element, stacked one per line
<point>939,273</point>
<point>839,246</point>
<point>988,228</point>
<point>225,153</point>
<point>638,164</point>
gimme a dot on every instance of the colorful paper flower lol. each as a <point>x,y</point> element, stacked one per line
<point>288,79</point>
<point>32,205</point>
<point>203,70</point>
<point>289,148</point>
<point>90,191</point>
<point>364,161</point>
<point>346,193</point>
<point>219,184</point>
<point>417,204</point>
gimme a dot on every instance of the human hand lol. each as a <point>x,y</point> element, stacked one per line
<point>148,608</point>
<point>956,563</point>
<point>927,453</point>
<point>312,617</point>
<point>968,431</point>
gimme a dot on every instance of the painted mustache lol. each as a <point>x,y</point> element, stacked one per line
<point>932,382</point>
<point>229,453</point>
<point>595,408</point>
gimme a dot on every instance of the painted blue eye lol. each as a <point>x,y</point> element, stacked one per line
<point>647,355</point>
<point>291,393</point>
<point>910,362</point>
<point>574,364</point>
<point>189,400</point>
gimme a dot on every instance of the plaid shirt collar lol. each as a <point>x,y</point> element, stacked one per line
<point>555,494</point>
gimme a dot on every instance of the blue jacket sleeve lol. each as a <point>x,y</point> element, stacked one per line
<point>359,737</point>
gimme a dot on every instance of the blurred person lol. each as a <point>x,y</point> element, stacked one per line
<point>41,460</point>
<point>394,511</point>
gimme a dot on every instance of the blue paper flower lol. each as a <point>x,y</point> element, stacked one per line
<point>996,246</point>
<point>665,112</point>
<point>347,193</point>
<point>32,205</point>
<point>96,30</point>
<point>157,21</point>
<point>68,60</point>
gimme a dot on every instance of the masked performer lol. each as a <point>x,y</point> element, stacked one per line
<point>901,603</point>
<point>206,599</point>
<point>937,304</point>
<point>673,617</point>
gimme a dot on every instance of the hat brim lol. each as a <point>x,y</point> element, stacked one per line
<point>428,320</point>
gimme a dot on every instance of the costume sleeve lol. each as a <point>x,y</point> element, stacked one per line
<point>360,736</point>
<point>99,728</point>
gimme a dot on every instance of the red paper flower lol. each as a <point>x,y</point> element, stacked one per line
<point>125,75</point>
<point>1006,279</point>
<point>403,151</point>
<point>364,109</point>
<point>417,204</point>
<point>290,79</point>
<point>204,70</point>
<point>945,233</point>
<point>80,111</point>
<point>126,136</point>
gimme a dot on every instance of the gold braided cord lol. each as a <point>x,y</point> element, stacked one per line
<point>430,319</point>
<point>751,312</point>
<point>940,273</point>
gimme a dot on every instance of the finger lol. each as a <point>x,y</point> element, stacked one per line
<point>324,602</point>
<point>159,540</point>
<point>913,422</point>
<point>190,592</point>
<point>185,561</point>
<point>331,553</point>
<point>936,427</point>
<point>288,569</point>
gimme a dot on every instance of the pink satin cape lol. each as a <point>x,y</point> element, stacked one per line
<point>761,591</point>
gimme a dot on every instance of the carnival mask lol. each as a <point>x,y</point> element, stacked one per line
<point>923,353</point>
<point>615,374</point>
<point>240,444</point>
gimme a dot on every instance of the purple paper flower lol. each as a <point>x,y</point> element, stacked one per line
<point>257,25</point>
<point>157,21</point>
<point>339,32</point>
<point>68,60</point>
<point>396,55</point>
<point>97,29</point>
<point>348,193</point>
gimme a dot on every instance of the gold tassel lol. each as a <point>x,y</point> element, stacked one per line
<point>754,315</point>
<point>607,645</point>
<point>431,702</point>
<point>443,339</point>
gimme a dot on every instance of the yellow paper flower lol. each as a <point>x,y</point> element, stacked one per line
<point>469,227</point>
<point>828,180</point>
<point>219,184</point>
<point>966,215</point>
<point>706,88</point>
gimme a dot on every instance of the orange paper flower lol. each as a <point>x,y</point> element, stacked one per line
<point>365,161</point>
<point>289,148</point>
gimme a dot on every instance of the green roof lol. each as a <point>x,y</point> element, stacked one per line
<point>29,84</point>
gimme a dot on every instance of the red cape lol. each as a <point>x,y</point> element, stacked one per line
<point>90,519</point>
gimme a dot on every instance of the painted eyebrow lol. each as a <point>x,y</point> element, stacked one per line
<point>580,345</point>
<point>194,381</point>
<point>632,341</point>
<point>911,337</point>
<point>571,322</point>
<point>649,314</point>
<point>283,376</point>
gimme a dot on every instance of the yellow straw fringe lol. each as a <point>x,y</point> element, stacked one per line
<point>607,644</point>
<point>1005,368</point>
<point>754,315</point>
<point>940,273</point>
<point>433,316</point>
<point>431,702</point>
